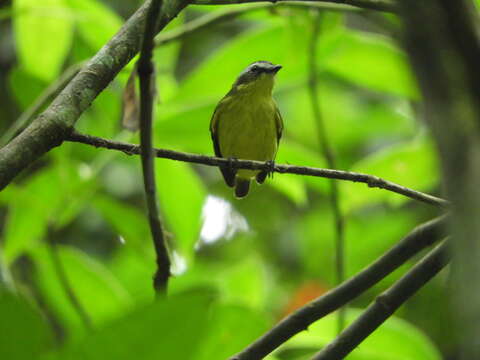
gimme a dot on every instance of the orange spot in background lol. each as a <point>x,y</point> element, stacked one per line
<point>303,295</point>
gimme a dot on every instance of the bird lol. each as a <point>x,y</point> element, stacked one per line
<point>247,124</point>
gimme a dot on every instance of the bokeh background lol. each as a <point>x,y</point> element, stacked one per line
<point>75,243</point>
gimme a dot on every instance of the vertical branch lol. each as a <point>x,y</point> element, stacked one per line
<point>328,152</point>
<point>445,52</point>
<point>147,94</point>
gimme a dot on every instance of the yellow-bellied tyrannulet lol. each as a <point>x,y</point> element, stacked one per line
<point>246,124</point>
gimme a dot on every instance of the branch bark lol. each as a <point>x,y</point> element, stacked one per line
<point>386,304</point>
<point>370,180</point>
<point>377,5</point>
<point>51,127</point>
<point>146,74</point>
<point>420,238</point>
<point>445,52</point>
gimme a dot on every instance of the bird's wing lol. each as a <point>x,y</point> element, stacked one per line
<point>228,174</point>
<point>214,129</point>
<point>278,123</point>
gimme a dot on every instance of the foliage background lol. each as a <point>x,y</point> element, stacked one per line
<point>240,265</point>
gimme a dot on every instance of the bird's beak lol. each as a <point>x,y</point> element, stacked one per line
<point>275,69</point>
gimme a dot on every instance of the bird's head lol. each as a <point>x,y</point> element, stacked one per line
<point>257,77</point>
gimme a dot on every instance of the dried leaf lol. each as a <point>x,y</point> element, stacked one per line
<point>131,104</point>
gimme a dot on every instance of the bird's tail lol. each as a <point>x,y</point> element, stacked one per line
<point>241,187</point>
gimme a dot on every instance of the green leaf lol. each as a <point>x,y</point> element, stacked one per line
<point>28,216</point>
<point>95,22</point>
<point>25,225</point>
<point>43,34</point>
<point>371,61</point>
<point>97,290</point>
<point>396,339</point>
<point>411,164</point>
<point>227,60</point>
<point>292,187</point>
<point>231,329</point>
<point>25,95</point>
<point>181,195</point>
<point>168,329</point>
<point>295,153</point>
<point>24,333</point>
<point>128,221</point>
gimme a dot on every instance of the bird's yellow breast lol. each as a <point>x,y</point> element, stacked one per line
<point>247,129</point>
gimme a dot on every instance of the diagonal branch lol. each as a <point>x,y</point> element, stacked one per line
<point>146,74</point>
<point>386,304</point>
<point>370,180</point>
<point>420,238</point>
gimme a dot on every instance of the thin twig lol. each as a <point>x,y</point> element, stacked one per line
<point>226,14</point>
<point>386,304</point>
<point>67,287</point>
<point>47,95</point>
<point>146,75</point>
<point>370,180</point>
<point>420,238</point>
<point>378,5</point>
<point>328,153</point>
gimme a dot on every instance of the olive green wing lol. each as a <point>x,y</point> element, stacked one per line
<point>278,123</point>
<point>228,174</point>
<point>261,176</point>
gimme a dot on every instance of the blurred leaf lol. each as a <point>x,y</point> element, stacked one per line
<point>26,224</point>
<point>291,186</point>
<point>411,164</point>
<point>372,61</point>
<point>396,339</point>
<point>227,60</point>
<point>95,22</point>
<point>181,195</point>
<point>128,221</point>
<point>29,214</point>
<point>43,34</point>
<point>135,271</point>
<point>168,329</point>
<point>24,86</point>
<point>231,329</point>
<point>86,277</point>
<point>244,282</point>
<point>295,153</point>
<point>353,120</point>
<point>24,333</point>
<point>369,234</point>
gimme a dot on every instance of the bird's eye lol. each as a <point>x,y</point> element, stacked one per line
<point>255,68</point>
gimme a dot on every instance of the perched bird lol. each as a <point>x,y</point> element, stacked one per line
<point>247,124</point>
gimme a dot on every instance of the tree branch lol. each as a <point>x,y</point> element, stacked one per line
<point>370,180</point>
<point>420,238</point>
<point>378,5</point>
<point>328,153</point>
<point>146,74</point>
<point>226,14</point>
<point>445,52</point>
<point>51,127</point>
<point>386,304</point>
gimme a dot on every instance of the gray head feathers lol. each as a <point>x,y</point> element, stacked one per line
<point>256,69</point>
